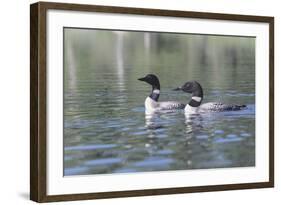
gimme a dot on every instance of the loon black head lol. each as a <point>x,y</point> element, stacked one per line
<point>152,80</point>
<point>195,89</point>
<point>190,87</point>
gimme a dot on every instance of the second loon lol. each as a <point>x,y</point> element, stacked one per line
<point>151,102</point>
<point>195,106</point>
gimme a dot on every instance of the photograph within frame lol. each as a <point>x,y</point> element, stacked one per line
<point>106,126</point>
<point>39,166</point>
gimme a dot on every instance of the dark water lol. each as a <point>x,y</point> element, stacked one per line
<point>105,126</point>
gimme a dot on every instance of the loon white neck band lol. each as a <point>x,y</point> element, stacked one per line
<point>156,91</point>
<point>196,98</point>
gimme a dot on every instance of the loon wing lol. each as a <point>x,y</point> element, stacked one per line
<point>217,106</point>
<point>171,105</point>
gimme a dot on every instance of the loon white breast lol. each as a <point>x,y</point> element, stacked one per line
<point>151,102</point>
<point>195,105</point>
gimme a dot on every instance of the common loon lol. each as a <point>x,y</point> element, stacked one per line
<point>151,102</point>
<point>194,105</point>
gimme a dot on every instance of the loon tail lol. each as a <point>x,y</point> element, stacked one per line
<point>237,107</point>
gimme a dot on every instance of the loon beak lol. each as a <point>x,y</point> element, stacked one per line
<point>142,79</point>
<point>177,89</point>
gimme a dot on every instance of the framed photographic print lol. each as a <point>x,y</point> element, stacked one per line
<point>100,128</point>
